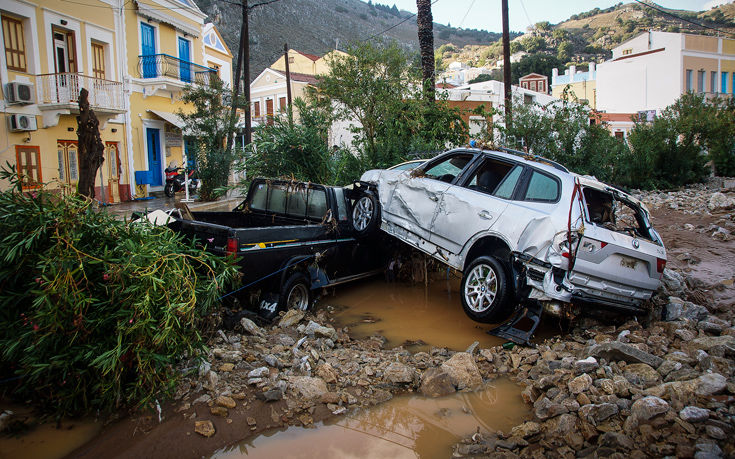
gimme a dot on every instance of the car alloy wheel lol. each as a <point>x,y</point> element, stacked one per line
<point>481,288</point>
<point>362,213</point>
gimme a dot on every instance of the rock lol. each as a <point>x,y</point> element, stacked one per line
<point>694,414</point>
<point>314,329</point>
<point>251,421</point>
<point>616,441</point>
<point>272,395</point>
<point>648,407</point>
<point>715,432</point>
<point>545,408</point>
<point>586,366</point>
<point>615,350</point>
<point>225,401</point>
<point>720,201</point>
<point>261,372</point>
<point>714,345</point>
<point>561,426</point>
<point>525,430</point>
<point>598,413</point>
<point>212,380</point>
<point>5,418</point>
<point>291,318</point>
<point>678,309</point>
<point>227,367</point>
<point>219,411</point>
<point>710,384</point>
<point>641,375</point>
<point>580,384</point>
<point>399,373</point>
<point>250,327</point>
<point>673,281</point>
<point>462,370</point>
<point>308,387</point>
<point>327,373</point>
<point>435,382</point>
<point>204,428</point>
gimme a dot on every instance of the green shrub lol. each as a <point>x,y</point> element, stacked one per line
<point>96,312</point>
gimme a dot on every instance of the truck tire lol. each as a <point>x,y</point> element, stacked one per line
<point>366,214</point>
<point>169,190</point>
<point>484,290</point>
<point>295,292</point>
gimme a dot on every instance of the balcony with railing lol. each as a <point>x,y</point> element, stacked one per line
<point>162,68</point>
<point>60,91</point>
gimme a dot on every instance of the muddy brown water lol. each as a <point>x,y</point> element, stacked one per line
<point>49,441</point>
<point>408,426</point>
<point>417,317</point>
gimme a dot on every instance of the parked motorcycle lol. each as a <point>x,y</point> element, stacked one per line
<point>176,180</point>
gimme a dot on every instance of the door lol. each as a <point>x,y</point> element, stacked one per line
<point>148,50</point>
<point>154,156</point>
<point>185,58</point>
<point>269,111</point>
<point>112,158</point>
<point>416,196</point>
<point>64,66</point>
<point>67,153</point>
<point>474,206</point>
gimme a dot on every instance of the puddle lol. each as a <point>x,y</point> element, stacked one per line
<point>46,441</point>
<point>417,317</point>
<point>404,427</point>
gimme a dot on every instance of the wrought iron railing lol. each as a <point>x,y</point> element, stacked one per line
<point>163,65</point>
<point>63,88</point>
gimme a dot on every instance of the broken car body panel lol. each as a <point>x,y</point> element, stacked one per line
<point>576,238</point>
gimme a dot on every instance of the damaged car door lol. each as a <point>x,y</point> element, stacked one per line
<point>482,193</point>
<point>415,195</point>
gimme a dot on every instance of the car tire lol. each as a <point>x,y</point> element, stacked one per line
<point>366,214</point>
<point>484,290</point>
<point>169,190</point>
<point>295,293</point>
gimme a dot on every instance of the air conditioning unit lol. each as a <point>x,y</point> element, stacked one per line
<point>20,93</point>
<point>19,122</point>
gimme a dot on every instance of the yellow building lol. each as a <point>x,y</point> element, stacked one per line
<point>580,85</point>
<point>134,58</point>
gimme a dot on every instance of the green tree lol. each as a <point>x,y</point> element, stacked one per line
<point>207,124</point>
<point>564,51</point>
<point>534,63</point>
<point>378,87</point>
<point>534,44</point>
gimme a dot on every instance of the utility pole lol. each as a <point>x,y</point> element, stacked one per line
<point>246,73</point>
<point>506,65</point>
<point>288,83</point>
<point>236,80</point>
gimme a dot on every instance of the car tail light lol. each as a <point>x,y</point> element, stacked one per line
<point>231,248</point>
<point>566,255</point>
<point>660,265</point>
<point>592,246</point>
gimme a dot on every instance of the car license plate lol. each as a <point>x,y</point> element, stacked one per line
<point>627,262</point>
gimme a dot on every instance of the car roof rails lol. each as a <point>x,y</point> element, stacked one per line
<point>531,157</point>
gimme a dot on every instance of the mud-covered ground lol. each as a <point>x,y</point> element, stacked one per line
<point>638,388</point>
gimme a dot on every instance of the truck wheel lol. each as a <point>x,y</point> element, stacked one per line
<point>366,214</point>
<point>485,290</point>
<point>295,293</point>
<point>169,190</point>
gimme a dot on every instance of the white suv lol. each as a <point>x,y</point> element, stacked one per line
<point>521,227</point>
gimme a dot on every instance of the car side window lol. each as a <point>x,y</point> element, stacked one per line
<point>542,187</point>
<point>448,169</point>
<point>495,177</point>
<point>277,199</point>
<point>339,195</point>
<point>317,204</point>
<point>259,197</point>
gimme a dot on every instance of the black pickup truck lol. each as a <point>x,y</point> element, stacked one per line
<point>291,238</point>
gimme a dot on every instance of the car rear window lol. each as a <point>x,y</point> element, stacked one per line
<point>317,204</point>
<point>542,187</point>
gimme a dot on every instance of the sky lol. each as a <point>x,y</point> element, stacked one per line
<point>486,15</point>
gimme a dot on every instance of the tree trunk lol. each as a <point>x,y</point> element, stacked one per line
<point>425,23</point>
<point>91,149</point>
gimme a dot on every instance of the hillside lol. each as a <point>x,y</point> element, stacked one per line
<point>315,26</point>
<point>590,36</point>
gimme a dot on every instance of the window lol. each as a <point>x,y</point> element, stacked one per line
<point>65,54</point>
<point>533,86</point>
<point>317,205</point>
<point>713,82</point>
<point>620,135</point>
<point>290,60</point>
<point>67,152</point>
<point>449,168</point>
<point>15,48</point>
<point>282,104</point>
<point>690,81</point>
<point>29,165</point>
<point>506,187</point>
<point>339,195</point>
<point>527,99</point>
<point>256,108</point>
<point>98,61</point>
<point>723,83</point>
<point>542,187</point>
<point>627,51</point>
<point>489,175</point>
<point>700,81</point>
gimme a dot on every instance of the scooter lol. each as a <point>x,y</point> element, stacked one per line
<point>176,181</point>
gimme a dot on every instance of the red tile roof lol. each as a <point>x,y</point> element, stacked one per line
<point>313,57</point>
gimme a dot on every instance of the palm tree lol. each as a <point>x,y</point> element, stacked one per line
<point>425,23</point>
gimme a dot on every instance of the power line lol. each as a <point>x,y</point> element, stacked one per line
<point>465,15</point>
<point>395,25</point>
<point>658,8</point>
